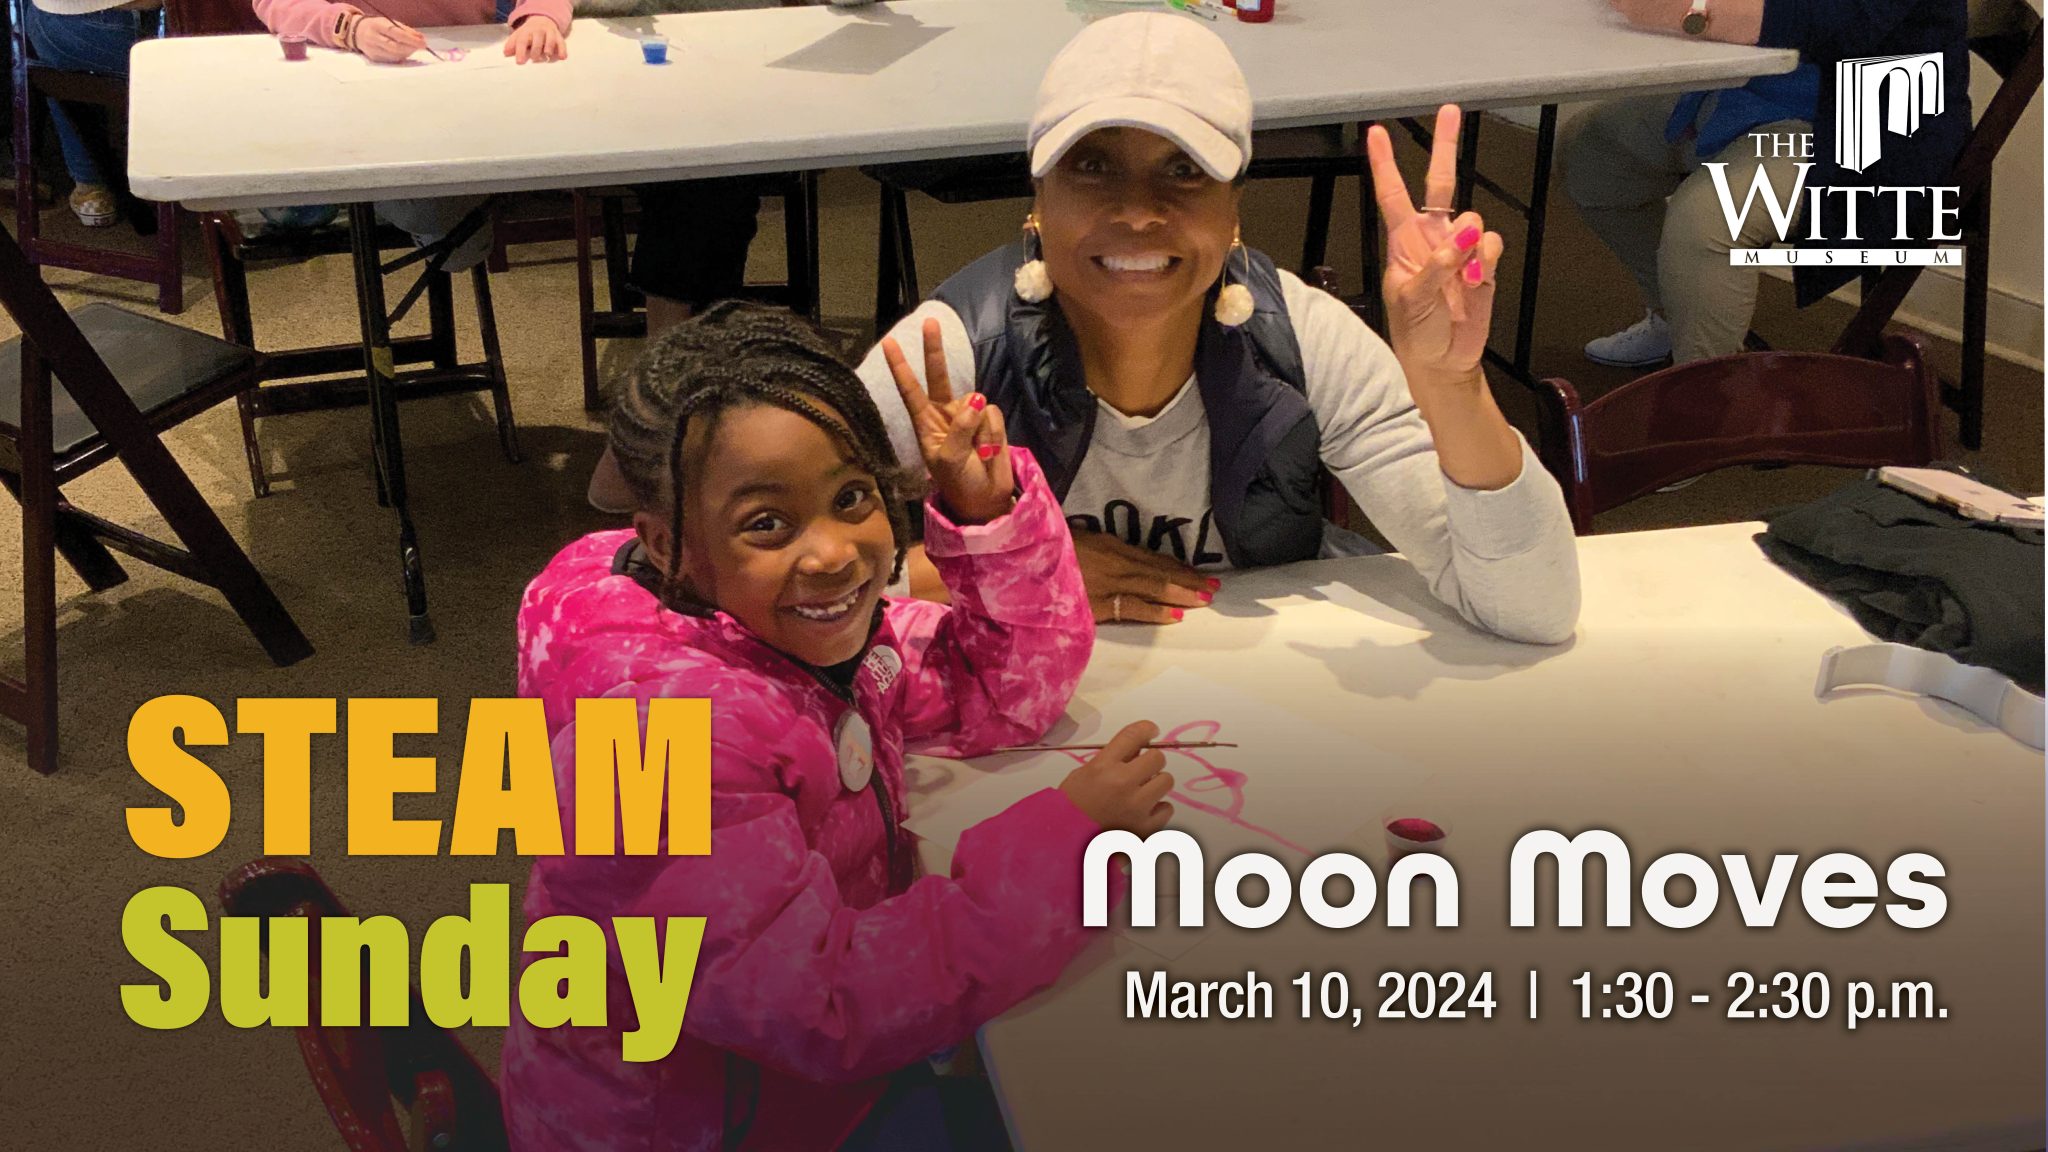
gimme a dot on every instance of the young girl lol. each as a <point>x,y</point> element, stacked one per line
<point>769,517</point>
<point>387,31</point>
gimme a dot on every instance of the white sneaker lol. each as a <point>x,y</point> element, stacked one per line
<point>1640,345</point>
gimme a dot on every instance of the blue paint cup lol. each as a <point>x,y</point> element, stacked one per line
<point>655,49</point>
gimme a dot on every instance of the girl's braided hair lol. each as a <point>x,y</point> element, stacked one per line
<point>736,355</point>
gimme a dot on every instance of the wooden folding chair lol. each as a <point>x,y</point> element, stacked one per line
<point>413,1088</point>
<point>1749,408</point>
<point>125,379</point>
<point>231,253</point>
<point>165,269</point>
<point>2005,34</point>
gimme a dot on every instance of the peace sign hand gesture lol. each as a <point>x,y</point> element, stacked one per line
<point>1439,281</point>
<point>962,441</point>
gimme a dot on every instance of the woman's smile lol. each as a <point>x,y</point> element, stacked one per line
<point>1138,265</point>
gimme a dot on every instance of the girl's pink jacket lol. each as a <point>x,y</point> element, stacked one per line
<point>824,968</point>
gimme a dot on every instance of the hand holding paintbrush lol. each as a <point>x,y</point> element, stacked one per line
<point>381,39</point>
<point>1125,785</point>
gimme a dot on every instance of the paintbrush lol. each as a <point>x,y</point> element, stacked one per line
<point>453,55</point>
<point>1162,745</point>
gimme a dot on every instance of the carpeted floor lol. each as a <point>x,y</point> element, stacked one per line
<point>76,1073</point>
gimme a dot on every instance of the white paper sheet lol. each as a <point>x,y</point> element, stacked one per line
<point>482,47</point>
<point>1291,787</point>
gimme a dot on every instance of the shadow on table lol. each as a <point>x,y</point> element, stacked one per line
<point>634,28</point>
<point>1940,711</point>
<point>1449,648</point>
<point>877,39</point>
<point>1457,652</point>
<point>1384,588</point>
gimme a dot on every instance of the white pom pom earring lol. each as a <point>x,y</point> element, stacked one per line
<point>1234,304</point>
<point>1033,283</point>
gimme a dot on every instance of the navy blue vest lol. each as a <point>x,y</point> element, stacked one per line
<point>1265,471</point>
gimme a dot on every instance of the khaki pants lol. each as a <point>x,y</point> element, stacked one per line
<point>1651,202</point>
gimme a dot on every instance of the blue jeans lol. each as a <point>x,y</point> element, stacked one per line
<point>91,42</point>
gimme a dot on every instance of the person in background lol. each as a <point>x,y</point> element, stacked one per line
<point>1187,398</point>
<point>1624,158</point>
<point>387,31</point>
<point>88,36</point>
<point>1633,167</point>
<point>769,515</point>
<point>693,238</point>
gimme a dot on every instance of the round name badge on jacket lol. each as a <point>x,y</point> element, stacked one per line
<point>856,746</point>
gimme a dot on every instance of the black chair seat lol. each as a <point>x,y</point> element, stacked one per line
<point>157,362</point>
<point>330,239</point>
<point>966,180</point>
<point>1312,149</point>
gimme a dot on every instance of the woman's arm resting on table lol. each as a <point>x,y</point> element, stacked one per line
<point>1821,29</point>
<point>1729,21</point>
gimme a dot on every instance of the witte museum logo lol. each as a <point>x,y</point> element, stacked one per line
<point>1876,97</point>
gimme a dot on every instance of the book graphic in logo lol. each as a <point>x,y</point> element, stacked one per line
<point>1879,94</point>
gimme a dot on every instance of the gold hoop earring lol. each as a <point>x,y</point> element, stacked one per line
<point>1033,283</point>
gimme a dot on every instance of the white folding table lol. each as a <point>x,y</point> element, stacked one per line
<point>1683,718</point>
<point>226,122</point>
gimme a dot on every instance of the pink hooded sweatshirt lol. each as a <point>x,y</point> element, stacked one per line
<point>824,966</point>
<point>315,19</point>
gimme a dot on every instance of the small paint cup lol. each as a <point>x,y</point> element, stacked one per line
<point>294,47</point>
<point>1407,832</point>
<point>1255,11</point>
<point>654,49</point>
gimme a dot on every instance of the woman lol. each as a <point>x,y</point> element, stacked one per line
<point>1184,396</point>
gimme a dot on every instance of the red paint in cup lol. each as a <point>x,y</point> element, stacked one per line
<point>1255,11</point>
<point>294,47</point>
<point>1406,834</point>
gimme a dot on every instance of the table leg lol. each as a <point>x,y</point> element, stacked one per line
<point>1532,249</point>
<point>1535,213</point>
<point>387,450</point>
<point>1468,160</point>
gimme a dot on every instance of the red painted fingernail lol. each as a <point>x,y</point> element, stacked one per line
<point>1206,596</point>
<point>977,401</point>
<point>985,450</point>
<point>1177,615</point>
<point>1474,272</point>
<point>1214,584</point>
<point>1468,238</point>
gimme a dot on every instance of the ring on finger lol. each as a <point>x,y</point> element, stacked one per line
<point>1116,608</point>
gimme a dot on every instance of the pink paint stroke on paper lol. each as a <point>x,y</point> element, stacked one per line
<point>1231,809</point>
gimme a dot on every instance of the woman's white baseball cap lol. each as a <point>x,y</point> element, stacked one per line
<point>1158,71</point>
